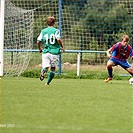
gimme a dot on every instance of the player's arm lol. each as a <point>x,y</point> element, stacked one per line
<point>39,46</point>
<point>57,35</point>
<point>131,53</point>
<point>108,52</point>
<point>113,48</point>
<point>60,43</point>
<point>39,42</point>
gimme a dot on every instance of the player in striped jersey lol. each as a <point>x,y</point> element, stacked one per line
<point>118,55</point>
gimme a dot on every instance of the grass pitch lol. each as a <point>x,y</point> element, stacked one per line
<point>67,105</point>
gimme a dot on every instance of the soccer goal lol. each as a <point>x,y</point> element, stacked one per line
<point>18,36</point>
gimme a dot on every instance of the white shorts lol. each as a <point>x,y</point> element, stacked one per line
<point>49,60</point>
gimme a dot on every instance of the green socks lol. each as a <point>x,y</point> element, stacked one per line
<point>50,76</point>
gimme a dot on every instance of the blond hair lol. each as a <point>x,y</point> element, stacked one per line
<point>50,21</point>
<point>126,37</point>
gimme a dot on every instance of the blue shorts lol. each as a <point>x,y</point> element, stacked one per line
<point>123,64</point>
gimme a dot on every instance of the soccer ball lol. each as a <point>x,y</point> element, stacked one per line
<point>131,81</point>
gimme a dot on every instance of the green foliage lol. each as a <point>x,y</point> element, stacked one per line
<point>109,16</point>
<point>102,20</point>
<point>71,74</point>
<point>94,44</point>
<point>31,74</point>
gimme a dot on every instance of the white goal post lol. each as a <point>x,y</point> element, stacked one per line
<point>2,7</point>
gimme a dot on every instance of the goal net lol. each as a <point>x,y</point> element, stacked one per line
<point>18,37</point>
<point>86,25</point>
<point>127,5</point>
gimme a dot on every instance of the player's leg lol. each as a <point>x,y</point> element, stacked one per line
<point>43,71</point>
<point>54,62</point>
<point>110,64</point>
<point>51,75</point>
<point>127,67</point>
<point>130,70</point>
<point>45,65</point>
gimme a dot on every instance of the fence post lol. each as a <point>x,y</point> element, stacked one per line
<point>78,63</point>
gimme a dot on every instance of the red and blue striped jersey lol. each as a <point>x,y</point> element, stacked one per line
<point>121,53</point>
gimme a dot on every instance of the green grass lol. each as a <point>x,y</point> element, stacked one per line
<point>67,105</point>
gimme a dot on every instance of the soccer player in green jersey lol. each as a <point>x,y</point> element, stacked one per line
<point>51,39</point>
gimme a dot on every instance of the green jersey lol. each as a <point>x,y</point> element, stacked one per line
<point>49,37</point>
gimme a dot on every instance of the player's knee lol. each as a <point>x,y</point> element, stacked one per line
<point>130,70</point>
<point>109,66</point>
<point>44,69</point>
<point>110,63</point>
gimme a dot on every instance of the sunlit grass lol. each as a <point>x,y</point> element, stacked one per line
<point>67,105</point>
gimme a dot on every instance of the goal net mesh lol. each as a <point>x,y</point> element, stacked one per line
<point>18,37</point>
